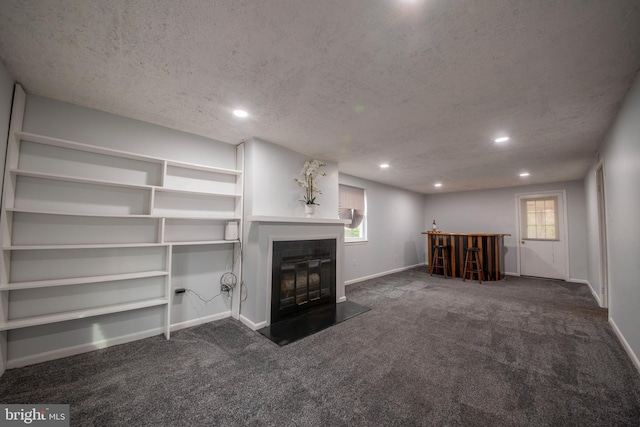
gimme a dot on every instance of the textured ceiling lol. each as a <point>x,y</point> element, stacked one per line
<point>425,85</point>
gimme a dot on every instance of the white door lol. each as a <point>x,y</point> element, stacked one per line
<point>543,249</point>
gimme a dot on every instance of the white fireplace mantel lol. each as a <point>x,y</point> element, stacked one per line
<point>259,234</point>
<point>294,219</point>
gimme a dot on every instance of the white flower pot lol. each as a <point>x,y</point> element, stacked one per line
<point>309,210</point>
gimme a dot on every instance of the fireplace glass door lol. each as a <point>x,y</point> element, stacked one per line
<point>301,281</point>
<point>303,276</point>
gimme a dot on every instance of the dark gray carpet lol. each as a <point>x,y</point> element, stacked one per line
<point>431,352</point>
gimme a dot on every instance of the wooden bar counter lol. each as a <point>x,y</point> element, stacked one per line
<point>491,245</point>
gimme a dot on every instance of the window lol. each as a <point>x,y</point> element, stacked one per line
<point>352,207</point>
<point>540,218</point>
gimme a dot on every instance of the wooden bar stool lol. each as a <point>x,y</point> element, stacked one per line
<point>440,259</point>
<point>472,264</point>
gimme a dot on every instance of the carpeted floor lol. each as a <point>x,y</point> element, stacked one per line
<point>431,352</point>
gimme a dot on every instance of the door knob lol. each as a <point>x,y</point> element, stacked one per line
<point>522,241</point>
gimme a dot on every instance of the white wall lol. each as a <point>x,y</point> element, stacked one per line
<point>67,121</point>
<point>270,187</point>
<point>198,268</point>
<point>621,156</point>
<point>494,211</point>
<point>395,219</point>
<point>6,97</point>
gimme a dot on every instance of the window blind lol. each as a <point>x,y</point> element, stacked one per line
<point>351,205</point>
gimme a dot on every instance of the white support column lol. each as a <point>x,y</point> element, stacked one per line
<point>238,247</point>
<point>168,293</point>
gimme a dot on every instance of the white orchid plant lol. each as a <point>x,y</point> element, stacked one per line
<point>308,175</point>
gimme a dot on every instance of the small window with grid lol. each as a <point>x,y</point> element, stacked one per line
<point>540,218</point>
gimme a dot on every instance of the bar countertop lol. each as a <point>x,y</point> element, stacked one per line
<point>440,233</point>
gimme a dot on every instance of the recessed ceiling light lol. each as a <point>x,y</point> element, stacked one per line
<point>501,139</point>
<point>523,174</point>
<point>384,165</point>
<point>438,184</point>
<point>240,113</point>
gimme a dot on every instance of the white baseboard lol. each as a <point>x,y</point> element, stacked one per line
<point>595,296</point>
<point>625,344</point>
<point>586,282</point>
<point>593,292</point>
<point>341,299</point>
<point>78,349</point>
<point>199,321</point>
<point>384,273</point>
<point>510,273</point>
<point>250,324</point>
<point>582,281</point>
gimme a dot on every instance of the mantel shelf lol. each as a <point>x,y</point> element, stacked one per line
<point>296,220</point>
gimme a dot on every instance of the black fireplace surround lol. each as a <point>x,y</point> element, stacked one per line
<point>303,276</point>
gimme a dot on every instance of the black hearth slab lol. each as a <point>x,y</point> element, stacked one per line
<point>294,328</point>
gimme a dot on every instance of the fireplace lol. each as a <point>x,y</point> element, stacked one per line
<point>303,276</point>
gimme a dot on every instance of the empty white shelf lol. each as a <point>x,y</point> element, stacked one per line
<point>204,168</point>
<point>199,217</point>
<point>99,215</point>
<point>81,280</point>
<point>80,246</point>
<point>196,193</point>
<point>80,314</point>
<point>204,242</point>
<point>67,178</point>
<point>56,142</point>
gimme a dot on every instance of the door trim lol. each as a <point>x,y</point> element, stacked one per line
<point>603,241</point>
<point>561,194</point>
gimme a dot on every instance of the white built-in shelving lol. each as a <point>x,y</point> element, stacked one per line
<point>93,223</point>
